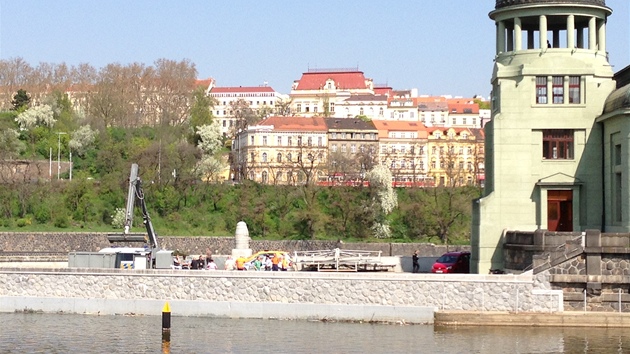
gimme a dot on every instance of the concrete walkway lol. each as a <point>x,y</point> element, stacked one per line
<point>559,319</point>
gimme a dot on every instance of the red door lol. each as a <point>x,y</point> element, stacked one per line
<point>559,210</point>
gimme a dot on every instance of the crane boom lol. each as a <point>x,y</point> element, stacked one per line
<point>136,195</point>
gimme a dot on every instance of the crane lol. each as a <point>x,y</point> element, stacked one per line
<point>136,195</point>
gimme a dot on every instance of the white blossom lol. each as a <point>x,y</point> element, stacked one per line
<point>82,138</point>
<point>380,177</point>
<point>210,134</point>
<point>35,116</point>
<point>118,218</point>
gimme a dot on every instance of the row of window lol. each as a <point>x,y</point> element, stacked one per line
<point>251,103</point>
<point>251,94</point>
<point>289,157</point>
<point>289,140</point>
<point>558,88</point>
<point>353,148</point>
<point>343,135</point>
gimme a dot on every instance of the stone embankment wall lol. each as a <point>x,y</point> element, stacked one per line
<point>65,242</point>
<point>252,294</point>
<point>592,269</point>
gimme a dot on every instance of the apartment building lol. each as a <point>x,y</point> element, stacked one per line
<point>352,149</point>
<point>456,156</point>
<point>281,150</point>
<point>403,148</point>
<point>233,103</point>
<point>319,91</point>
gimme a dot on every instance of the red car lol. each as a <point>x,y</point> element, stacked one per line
<point>452,262</point>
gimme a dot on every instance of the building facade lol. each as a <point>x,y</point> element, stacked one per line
<point>281,150</point>
<point>235,103</point>
<point>544,161</point>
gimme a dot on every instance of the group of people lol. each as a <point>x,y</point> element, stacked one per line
<point>195,262</point>
<point>266,261</point>
<point>269,262</point>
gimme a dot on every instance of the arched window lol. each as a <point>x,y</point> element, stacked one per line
<point>278,176</point>
<point>252,175</point>
<point>264,157</point>
<point>252,156</point>
<point>279,158</point>
<point>289,157</point>
<point>264,177</point>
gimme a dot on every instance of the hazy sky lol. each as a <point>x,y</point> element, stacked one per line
<point>438,46</point>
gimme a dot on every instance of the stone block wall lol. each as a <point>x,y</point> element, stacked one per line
<point>448,292</point>
<point>65,242</point>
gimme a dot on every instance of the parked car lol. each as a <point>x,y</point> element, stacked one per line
<point>452,262</point>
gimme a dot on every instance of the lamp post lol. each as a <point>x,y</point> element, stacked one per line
<point>59,153</point>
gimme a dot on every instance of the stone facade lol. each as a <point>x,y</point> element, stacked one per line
<point>384,290</point>
<point>65,242</point>
<point>591,269</point>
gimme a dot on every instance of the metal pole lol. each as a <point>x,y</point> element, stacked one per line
<point>59,153</point>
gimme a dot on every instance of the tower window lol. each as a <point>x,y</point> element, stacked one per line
<point>558,89</point>
<point>541,89</point>
<point>557,144</point>
<point>574,89</point>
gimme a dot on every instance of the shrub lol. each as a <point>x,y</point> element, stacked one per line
<point>61,221</point>
<point>23,222</point>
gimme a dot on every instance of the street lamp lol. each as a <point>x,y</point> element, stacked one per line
<point>59,152</point>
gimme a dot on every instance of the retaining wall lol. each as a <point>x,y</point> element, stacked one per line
<point>410,298</point>
<point>65,242</point>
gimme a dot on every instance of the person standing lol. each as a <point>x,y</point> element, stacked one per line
<point>414,261</point>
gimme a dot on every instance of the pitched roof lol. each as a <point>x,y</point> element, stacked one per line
<point>315,80</point>
<point>348,124</point>
<point>385,126</point>
<point>291,123</point>
<point>204,82</point>
<point>463,108</point>
<point>432,106</point>
<point>242,89</point>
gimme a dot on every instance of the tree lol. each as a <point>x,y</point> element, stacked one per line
<point>200,112</point>
<point>21,101</point>
<point>42,115</point>
<point>82,139</point>
<point>384,199</point>
<point>243,114</point>
<point>209,138</point>
<point>283,107</point>
<point>10,144</point>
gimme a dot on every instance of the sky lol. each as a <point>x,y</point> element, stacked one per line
<point>440,47</point>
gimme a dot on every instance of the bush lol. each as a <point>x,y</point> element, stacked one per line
<point>23,222</point>
<point>62,221</point>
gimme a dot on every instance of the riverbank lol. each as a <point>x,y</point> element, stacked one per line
<point>557,319</point>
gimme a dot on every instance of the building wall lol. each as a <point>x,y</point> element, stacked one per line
<point>517,175</point>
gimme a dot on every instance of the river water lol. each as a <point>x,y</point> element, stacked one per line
<point>65,333</point>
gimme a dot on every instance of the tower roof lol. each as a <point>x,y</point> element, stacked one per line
<point>505,3</point>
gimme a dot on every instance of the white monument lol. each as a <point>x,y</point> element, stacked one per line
<point>241,238</point>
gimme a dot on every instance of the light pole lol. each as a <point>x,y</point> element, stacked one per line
<point>59,153</point>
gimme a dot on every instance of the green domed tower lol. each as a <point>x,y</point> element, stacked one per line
<point>543,153</point>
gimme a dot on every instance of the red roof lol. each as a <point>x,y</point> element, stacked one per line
<point>458,108</point>
<point>385,126</point>
<point>295,123</point>
<point>343,80</point>
<point>242,89</point>
<point>204,82</point>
